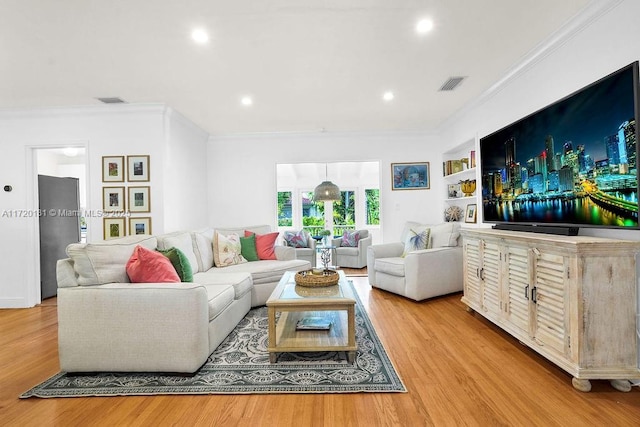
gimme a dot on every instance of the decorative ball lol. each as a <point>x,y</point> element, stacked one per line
<point>453,213</point>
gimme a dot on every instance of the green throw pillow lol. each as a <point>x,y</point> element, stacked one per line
<point>248,248</point>
<point>180,262</point>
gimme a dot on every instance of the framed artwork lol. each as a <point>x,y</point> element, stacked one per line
<point>138,168</point>
<point>113,199</point>
<point>410,176</point>
<point>112,168</point>
<point>139,199</point>
<point>454,191</point>
<point>140,225</point>
<point>470,214</point>
<point>114,228</point>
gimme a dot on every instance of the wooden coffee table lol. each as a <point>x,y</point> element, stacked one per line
<point>335,303</point>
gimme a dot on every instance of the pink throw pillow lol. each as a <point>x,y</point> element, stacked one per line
<point>265,244</point>
<point>147,266</point>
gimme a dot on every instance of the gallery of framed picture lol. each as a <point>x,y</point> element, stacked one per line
<point>126,199</point>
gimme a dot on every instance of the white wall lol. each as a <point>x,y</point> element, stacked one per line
<point>185,175</point>
<point>103,131</point>
<point>242,173</point>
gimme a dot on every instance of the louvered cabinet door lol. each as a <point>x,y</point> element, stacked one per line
<point>472,272</point>
<point>518,289</point>
<point>549,295</point>
<point>490,275</point>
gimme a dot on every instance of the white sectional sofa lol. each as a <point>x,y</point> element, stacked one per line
<point>106,323</point>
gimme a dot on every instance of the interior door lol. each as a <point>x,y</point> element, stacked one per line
<point>59,226</point>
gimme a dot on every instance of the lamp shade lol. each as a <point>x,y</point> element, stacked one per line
<point>326,191</point>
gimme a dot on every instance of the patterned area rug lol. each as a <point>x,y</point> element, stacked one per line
<point>240,365</point>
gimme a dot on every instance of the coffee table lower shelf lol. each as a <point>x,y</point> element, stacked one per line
<point>286,338</point>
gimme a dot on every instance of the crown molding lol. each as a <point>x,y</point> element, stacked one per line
<point>85,110</point>
<point>582,20</point>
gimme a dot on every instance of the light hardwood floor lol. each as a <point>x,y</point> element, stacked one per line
<point>458,368</point>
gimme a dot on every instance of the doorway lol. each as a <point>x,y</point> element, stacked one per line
<point>61,198</point>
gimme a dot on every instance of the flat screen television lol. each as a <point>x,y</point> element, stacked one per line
<point>571,164</point>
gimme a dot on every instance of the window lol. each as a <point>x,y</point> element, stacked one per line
<point>285,218</point>
<point>373,206</point>
<point>344,213</point>
<point>312,213</point>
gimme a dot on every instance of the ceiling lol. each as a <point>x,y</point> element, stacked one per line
<point>308,65</point>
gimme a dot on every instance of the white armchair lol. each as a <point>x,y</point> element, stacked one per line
<point>353,257</point>
<point>419,274</point>
<point>308,253</point>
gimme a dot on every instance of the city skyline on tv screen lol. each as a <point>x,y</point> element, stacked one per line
<point>573,162</point>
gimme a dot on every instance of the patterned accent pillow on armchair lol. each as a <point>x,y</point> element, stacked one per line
<point>350,239</point>
<point>417,239</point>
<point>296,239</point>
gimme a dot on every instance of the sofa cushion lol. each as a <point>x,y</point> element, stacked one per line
<point>180,263</point>
<point>264,271</point>
<point>183,241</point>
<point>258,229</point>
<point>105,262</point>
<point>220,297</point>
<point>240,281</point>
<point>350,239</point>
<point>265,244</point>
<point>348,251</point>
<point>248,248</point>
<point>393,266</point>
<point>203,248</point>
<point>445,234</point>
<point>296,239</point>
<point>148,266</point>
<point>227,250</point>
<point>417,239</point>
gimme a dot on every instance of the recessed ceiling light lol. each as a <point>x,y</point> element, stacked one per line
<point>200,36</point>
<point>424,26</point>
<point>246,101</point>
<point>388,96</point>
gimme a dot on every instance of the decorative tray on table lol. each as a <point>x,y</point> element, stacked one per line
<point>317,278</point>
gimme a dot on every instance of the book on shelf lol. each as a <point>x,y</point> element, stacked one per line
<point>472,159</point>
<point>453,166</point>
<point>314,324</point>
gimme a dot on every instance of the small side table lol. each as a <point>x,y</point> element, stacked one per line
<point>328,254</point>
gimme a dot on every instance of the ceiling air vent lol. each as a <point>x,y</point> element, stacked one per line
<point>113,100</point>
<point>451,84</point>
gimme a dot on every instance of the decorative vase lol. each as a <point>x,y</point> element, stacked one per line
<point>468,186</point>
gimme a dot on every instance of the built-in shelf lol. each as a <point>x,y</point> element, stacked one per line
<point>460,199</point>
<point>466,150</point>
<point>465,174</point>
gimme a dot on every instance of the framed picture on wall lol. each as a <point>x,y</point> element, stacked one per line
<point>114,228</point>
<point>470,214</point>
<point>139,199</point>
<point>137,168</point>
<point>113,199</point>
<point>112,168</point>
<point>410,176</point>
<point>140,225</point>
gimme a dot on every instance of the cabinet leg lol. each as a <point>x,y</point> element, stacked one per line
<point>351,357</point>
<point>470,310</point>
<point>621,385</point>
<point>273,357</point>
<point>581,384</point>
